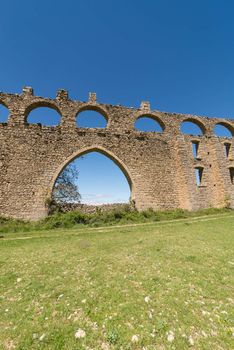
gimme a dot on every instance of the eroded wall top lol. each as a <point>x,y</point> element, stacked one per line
<point>119,118</point>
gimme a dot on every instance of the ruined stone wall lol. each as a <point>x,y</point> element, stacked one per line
<point>159,166</point>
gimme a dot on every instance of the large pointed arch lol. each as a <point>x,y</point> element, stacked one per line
<point>103,151</point>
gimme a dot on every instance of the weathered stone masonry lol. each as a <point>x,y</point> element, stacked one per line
<point>159,166</point>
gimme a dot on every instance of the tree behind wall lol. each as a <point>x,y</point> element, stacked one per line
<point>66,189</point>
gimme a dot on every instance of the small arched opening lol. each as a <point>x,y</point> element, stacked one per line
<point>47,115</point>
<point>149,123</point>
<point>195,149</point>
<point>227,149</point>
<point>4,113</point>
<point>192,127</point>
<point>91,118</point>
<point>199,175</point>
<point>231,173</point>
<point>223,130</point>
<point>96,178</point>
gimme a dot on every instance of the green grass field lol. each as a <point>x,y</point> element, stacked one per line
<point>165,285</point>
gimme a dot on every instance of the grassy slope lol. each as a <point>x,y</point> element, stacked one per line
<point>97,279</point>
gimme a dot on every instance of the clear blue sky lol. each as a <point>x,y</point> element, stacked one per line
<point>179,55</point>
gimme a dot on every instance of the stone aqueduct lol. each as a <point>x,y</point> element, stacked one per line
<point>159,166</point>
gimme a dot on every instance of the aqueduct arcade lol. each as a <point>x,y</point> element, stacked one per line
<point>162,170</point>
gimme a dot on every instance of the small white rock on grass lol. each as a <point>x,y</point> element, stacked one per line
<point>80,333</point>
<point>42,337</point>
<point>135,339</point>
<point>105,346</point>
<point>190,340</point>
<point>147,299</point>
<point>170,336</point>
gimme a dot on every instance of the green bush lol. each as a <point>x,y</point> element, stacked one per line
<point>123,215</point>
